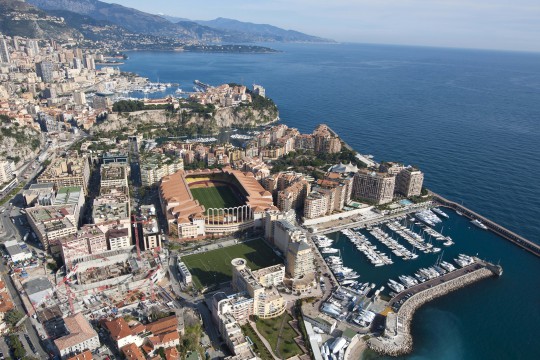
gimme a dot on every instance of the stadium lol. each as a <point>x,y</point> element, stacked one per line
<point>212,202</point>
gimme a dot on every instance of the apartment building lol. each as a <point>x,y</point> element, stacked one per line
<point>114,175</point>
<point>317,204</point>
<point>324,141</point>
<point>374,186</point>
<point>300,260</point>
<point>409,182</point>
<point>7,167</point>
<point>155,167</point>
<point>267,302</point>
<point>51,223</point>
<point>69,171</point>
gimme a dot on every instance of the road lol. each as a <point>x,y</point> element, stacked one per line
<point>29,329</point>
<point>16,230</point>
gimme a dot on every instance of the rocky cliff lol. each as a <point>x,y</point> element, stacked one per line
<point>184,122</point>
<point>18,143</point>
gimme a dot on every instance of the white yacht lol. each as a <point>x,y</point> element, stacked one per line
<point>479,224</point>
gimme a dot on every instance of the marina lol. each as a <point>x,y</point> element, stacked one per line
<point>422,271</point>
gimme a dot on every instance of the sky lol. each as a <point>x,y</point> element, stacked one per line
<point>481,24</point>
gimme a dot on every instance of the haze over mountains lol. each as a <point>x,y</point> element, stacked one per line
<point>139,22</point>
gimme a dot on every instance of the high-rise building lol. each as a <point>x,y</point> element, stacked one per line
<point>102,100</point>
<point>32,48</point>
<point>4,51</point>
<point>16,43</point>
<point>316,205</point>
<point>89,62</point>
<point>45,70</point>
<point>325,141</point>
<point>299,260</point>
<point>293,196</point>
<point>79,97</point>
<point>6,170</point>
<point>409,182</point>
<point>77,63</point>
<point>374,186</point>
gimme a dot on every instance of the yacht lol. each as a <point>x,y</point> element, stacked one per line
<point>329,250</point>
<point>397,287</point>
<point>440,212</point>
<point>446,265</point>
<point>479,224</point>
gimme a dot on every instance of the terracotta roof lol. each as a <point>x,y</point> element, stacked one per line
<point>118,328</point>
<point>5,302</point>
<point>79,330</point>
<point>174,190</point>
<point>162,326</point>
<point>172,354</point>
<point>132,352</point>
<point>158,341</point>
<point>86,355</point>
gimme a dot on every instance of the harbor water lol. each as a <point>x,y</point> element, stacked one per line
<point>468,119</point>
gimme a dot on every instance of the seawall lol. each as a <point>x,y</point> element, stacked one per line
<point>503,232</point>
<point>398,341</point>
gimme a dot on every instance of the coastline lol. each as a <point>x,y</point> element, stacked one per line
<point>402,341</point>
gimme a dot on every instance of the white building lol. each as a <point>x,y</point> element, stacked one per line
<point>18,251</point>
<point>6,171</point>
<point>81,337</point>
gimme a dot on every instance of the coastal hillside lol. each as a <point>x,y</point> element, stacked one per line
<point>17,143</point>
<point>162,122</point>
<point>133,20</point>
<point>18,18</point>
<point>260,32</point>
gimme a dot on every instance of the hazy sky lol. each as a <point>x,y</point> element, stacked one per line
<point>489,24</point>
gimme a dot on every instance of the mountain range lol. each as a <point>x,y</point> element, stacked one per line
<point>18,18</point>
<point>139,22</point>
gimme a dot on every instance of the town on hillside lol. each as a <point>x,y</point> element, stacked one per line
<point>129,231</point>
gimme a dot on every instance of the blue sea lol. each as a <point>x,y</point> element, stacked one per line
<point>469,119</point>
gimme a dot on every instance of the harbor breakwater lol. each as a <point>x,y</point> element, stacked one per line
<point>401,341</point>
<point>491,225</point>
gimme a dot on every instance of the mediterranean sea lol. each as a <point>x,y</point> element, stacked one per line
<point>469,119</point>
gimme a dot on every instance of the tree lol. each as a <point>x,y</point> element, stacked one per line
<point>18,349</point>
<point>13,316</point>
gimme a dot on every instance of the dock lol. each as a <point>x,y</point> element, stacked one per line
<point>397,339</point>
<point>503,232</point>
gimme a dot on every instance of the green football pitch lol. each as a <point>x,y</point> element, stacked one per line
<point>214,267</point>
<point>216,197</point>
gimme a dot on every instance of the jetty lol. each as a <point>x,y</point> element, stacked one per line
<point>397,339</point>
<point>503,232</point>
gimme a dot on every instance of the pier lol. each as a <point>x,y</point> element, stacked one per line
<point>491,225</point>
<point>397,339</point>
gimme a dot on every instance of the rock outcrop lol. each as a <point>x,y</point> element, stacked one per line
<point>240,117</point>
<point>18,143</point>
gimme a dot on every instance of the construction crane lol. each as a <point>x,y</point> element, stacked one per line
<point>134,223</point>
<point>47,297</point>
<point>148,277</point>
